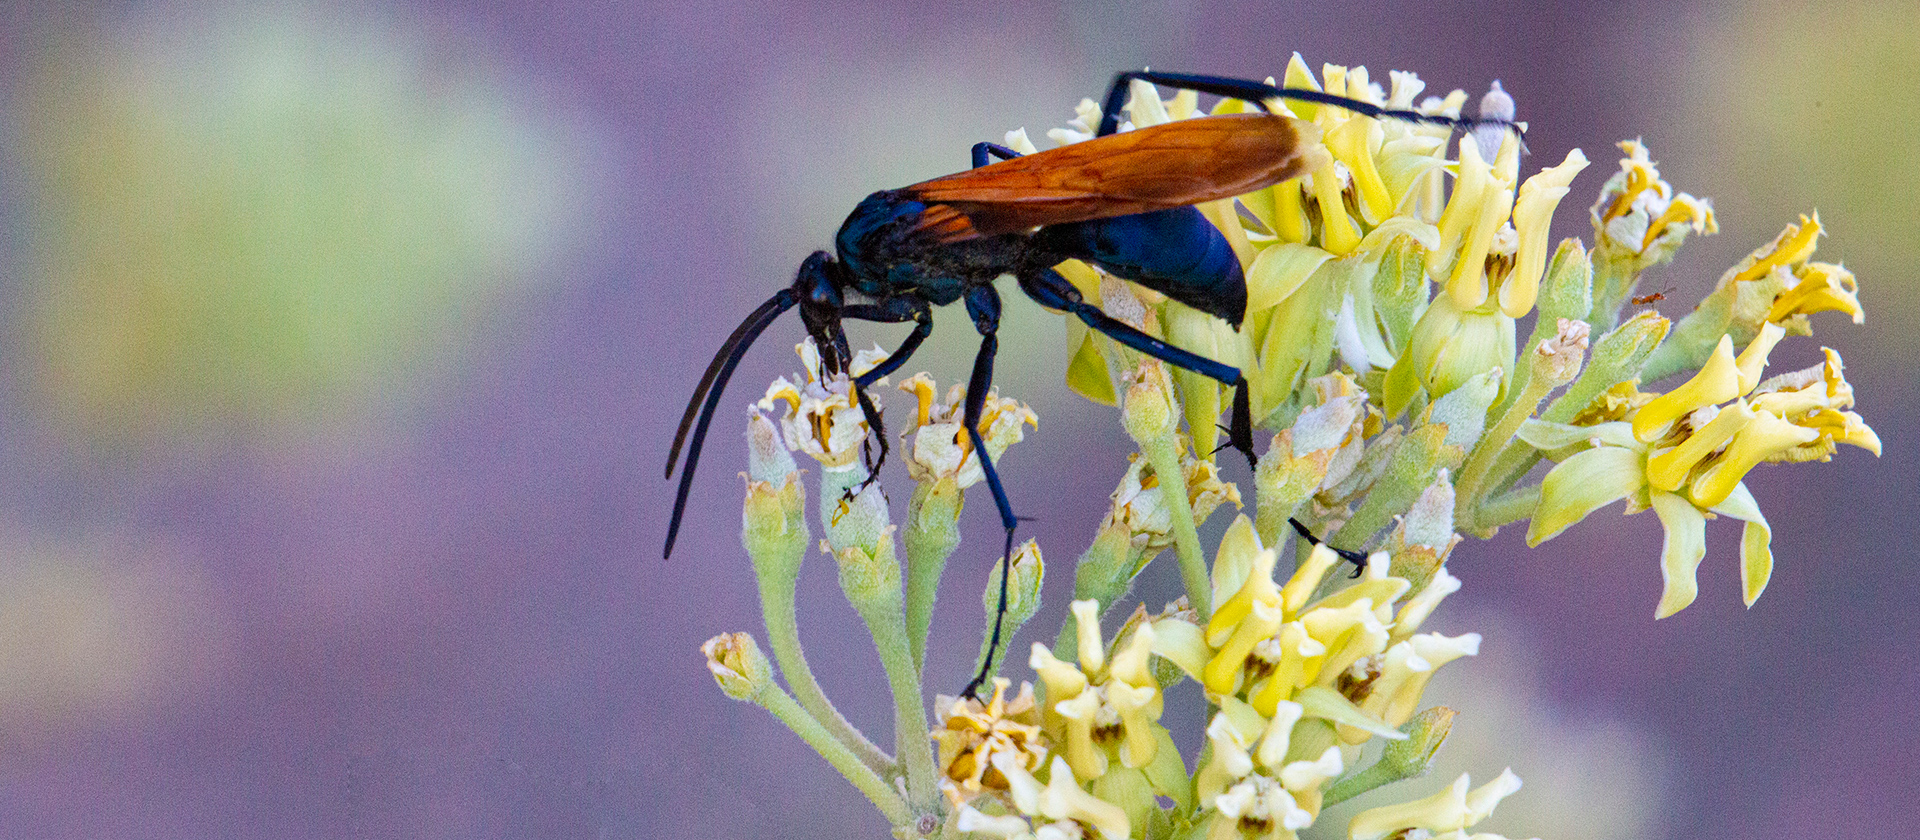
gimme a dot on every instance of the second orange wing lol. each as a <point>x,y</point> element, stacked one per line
<point>1154,168</point>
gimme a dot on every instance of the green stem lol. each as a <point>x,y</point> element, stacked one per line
<point>1163,453</point>
<point>887,622</point>
<point>1472,486</point>
<point>783,636</point>
<point>931,536</point>
<point>1376,775</point>
<point>837,754</point>
<point>1508,508</point>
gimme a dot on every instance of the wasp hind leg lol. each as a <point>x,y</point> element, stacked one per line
<point>1054,292</point>
<point>1258,93</point>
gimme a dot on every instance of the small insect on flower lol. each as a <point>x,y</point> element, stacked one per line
<point>1643,300</point>
<point>1120,201</point>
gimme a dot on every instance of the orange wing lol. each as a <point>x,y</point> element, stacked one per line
<point>1154,168</point>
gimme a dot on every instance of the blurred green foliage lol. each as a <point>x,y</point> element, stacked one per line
<point>267,226</point>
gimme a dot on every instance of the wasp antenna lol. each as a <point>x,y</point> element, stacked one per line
<point>707,397</point>
<point>729,355</point>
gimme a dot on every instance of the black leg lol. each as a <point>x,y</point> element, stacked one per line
<point>1054,292</point>
<point>1258,93</point>
<point>984,305</point>
<point>1358,559</point>
<point>892,311</point>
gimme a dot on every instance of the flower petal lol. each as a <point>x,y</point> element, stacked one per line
<point>1278,271</point>
<point>1686,544</point>
<point>1582,484</point>
<point>1756,542</point>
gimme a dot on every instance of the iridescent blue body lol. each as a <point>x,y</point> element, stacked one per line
<point>1175,251</point>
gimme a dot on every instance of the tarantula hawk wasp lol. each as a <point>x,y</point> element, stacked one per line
<point>1120,201</point>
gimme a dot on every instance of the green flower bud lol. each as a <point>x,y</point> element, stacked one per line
<point>773,519</point>
<point>1464,409</point>
<point>870,578</point>
<point>1401,760</point>
<point>1400,288</point>
<point>1424,537</point>
<point>1568,290</point>
<point>738,665</point>
<point>1148,410</point>
<point>857,522</point>
<point>1023,594</point>
<point>1450,346</point>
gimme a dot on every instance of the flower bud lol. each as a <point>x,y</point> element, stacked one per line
<point>1464,409</point>
<point>1419,545</point>
<point>773,519</point>
<point>1567,291</point>
<point>1617,357</point>
<point>1023,593</point>
<point>1148,410</point>
<point>738,665</point>
<point>870,577</point>
<point>1450,346</point>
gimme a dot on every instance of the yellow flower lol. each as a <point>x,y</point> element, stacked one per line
<point>1452,810</point>
<point>1491,268</point>
<point>1683,454</point>
<point>1247,788</point>
<point>738,665</point>
<point>1268,644</point>
<point>971,733</point>
<point>1778,283</point>
<point>1481,202</point>
<point>1102,711</point>
<point>937,443</point>
<point>1822,287</point>
<point>1532,215</point>
<point>1061,800</point>
<point>1639,216</point>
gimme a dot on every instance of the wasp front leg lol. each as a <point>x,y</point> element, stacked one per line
<point>891,311</point>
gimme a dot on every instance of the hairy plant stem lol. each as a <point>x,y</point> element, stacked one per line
<point>1508,508</point>
<point>931,536</point>
<point>783,636</point>
<point>1163,452</point>
<point>837,754</point>
<point>1478,477</point>
<point>888,624</point>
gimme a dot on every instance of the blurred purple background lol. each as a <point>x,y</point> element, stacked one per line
<point>404,581</point>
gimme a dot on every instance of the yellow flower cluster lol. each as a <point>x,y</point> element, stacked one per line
<point>1339,260</point>
<point>1301,682</point>
<point>1684,453</point>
